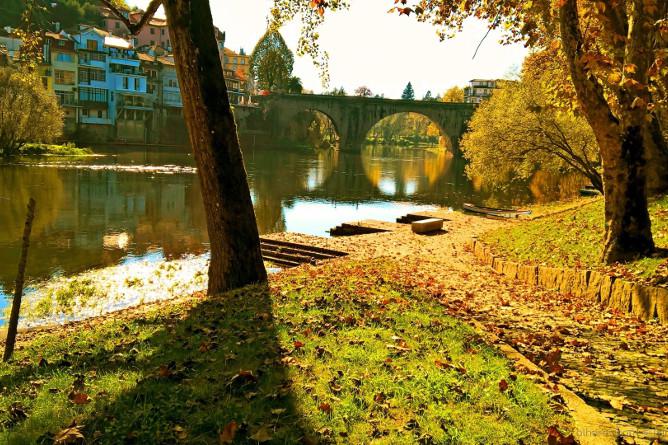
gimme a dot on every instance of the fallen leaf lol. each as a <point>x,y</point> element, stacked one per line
<point>261,435</point>
<point>228,433</point>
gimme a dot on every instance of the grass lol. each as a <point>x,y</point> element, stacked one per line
<point>574,238</point>
<point>336,354</point>
<point>68,149</point>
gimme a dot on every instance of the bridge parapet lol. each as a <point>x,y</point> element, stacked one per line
<point>353,117</point>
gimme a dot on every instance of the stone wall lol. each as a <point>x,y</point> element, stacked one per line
<point>646,302</point>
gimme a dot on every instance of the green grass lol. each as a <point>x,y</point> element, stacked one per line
<point>337,354</point>
<point>574,238</point>
<point>68,149</point>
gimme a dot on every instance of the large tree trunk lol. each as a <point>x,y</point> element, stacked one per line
<point>628,226</point>
<point>628,231</point>
<point>235,245</point>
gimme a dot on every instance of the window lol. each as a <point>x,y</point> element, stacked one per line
<point>125,83</point>
<point>99,114</point>
<point>64,57</point>
<point>134,84</point>
<point>65,98</point>
<point>87,75</point>
<point>84,111</point>
<point>92,95</point>
<point>162,32</point>
<point>91,45</point>
<point>152,31</point>
<point>118,25</point>
<point>152,42</point>
<point>64,77</point>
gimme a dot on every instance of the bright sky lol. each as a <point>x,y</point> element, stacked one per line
<point>368,46</point>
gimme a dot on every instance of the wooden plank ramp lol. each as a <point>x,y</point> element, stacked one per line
<point>287,254</point>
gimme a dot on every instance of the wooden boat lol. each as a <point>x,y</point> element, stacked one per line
<point>492,211</point>
<point>589,190</point>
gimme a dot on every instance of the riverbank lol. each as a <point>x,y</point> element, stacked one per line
<point>54,150</point>
<point>611,360</point>
<point>574,238</point>
<point>339,353</point>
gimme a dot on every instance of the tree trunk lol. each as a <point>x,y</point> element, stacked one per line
<point>628,230</point>
<point>236,259</point>
<point>628,226</point>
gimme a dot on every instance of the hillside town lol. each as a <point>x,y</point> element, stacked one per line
<point>113,86</point>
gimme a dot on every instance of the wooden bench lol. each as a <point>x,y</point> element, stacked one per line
<point>427,225</point>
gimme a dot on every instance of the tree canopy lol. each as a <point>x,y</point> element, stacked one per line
<point>517,132</point>
<point>272,62</point>
<point>453,94</point>
<point>68,13</point>
<point>363,91</point>
<point>408,93</point>
<point>28,112</point>
<point>294,85</point>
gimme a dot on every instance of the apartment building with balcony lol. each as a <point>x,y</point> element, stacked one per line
<point>60,63</point>
<point>479,90</point>
<point>93,91</point>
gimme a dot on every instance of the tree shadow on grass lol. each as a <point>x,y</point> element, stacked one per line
<point>200,370</point>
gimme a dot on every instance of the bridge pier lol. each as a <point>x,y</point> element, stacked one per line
<point>353,117</point>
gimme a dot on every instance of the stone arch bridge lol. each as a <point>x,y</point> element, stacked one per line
<point>353,117</point>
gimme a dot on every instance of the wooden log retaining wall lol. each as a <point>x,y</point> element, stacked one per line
<point>646,302</point>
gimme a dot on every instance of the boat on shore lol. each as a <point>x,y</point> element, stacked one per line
<point>493,211</point>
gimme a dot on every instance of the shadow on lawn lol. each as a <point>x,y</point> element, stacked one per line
<point>216,363</point>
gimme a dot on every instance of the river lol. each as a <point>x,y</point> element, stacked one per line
<point>144,204</point>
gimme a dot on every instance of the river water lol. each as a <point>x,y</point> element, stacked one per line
<point>145,204</point>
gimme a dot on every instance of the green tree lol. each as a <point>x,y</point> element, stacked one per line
<point>272,62</point>
<point>295,85</point>
<point>454,94</point>
<point>428,97</point>
<point>517,132</point>
<point>28,112</point>
<point>408,93</point>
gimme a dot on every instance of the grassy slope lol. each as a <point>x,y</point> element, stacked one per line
<point>575,238</point>
<point>334,354</point>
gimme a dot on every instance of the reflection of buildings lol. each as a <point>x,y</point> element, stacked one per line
<point>98,217</point>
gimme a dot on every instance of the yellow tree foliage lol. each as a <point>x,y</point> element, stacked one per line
<point>517,132</point>
<point>28,112</point>
<point>454,94</point>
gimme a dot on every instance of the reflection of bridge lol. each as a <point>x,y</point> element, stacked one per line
<point>353,117</point>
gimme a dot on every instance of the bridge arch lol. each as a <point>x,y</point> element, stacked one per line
<point>444,138</point>
<point>353,117</point>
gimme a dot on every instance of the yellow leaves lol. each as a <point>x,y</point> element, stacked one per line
<point>261,435</point>
<point>615,77</point>
<point>630,68</point>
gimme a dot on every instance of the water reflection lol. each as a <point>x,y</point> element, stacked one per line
<point>125,209</point>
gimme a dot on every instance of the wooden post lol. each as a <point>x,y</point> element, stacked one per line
<point>18,292</point>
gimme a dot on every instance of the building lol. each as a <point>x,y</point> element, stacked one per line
<point>236,62</point>
<point>60,64</point>
<point>113,25</point>
<point>93,92</point>
<point>154,33</point>
<point>130,105</point>
<point>10,42</point>
<point>479,90</point>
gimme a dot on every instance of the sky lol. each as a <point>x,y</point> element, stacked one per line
<point>368,46</point>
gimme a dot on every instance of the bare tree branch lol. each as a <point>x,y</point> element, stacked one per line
<point>134,28</point>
